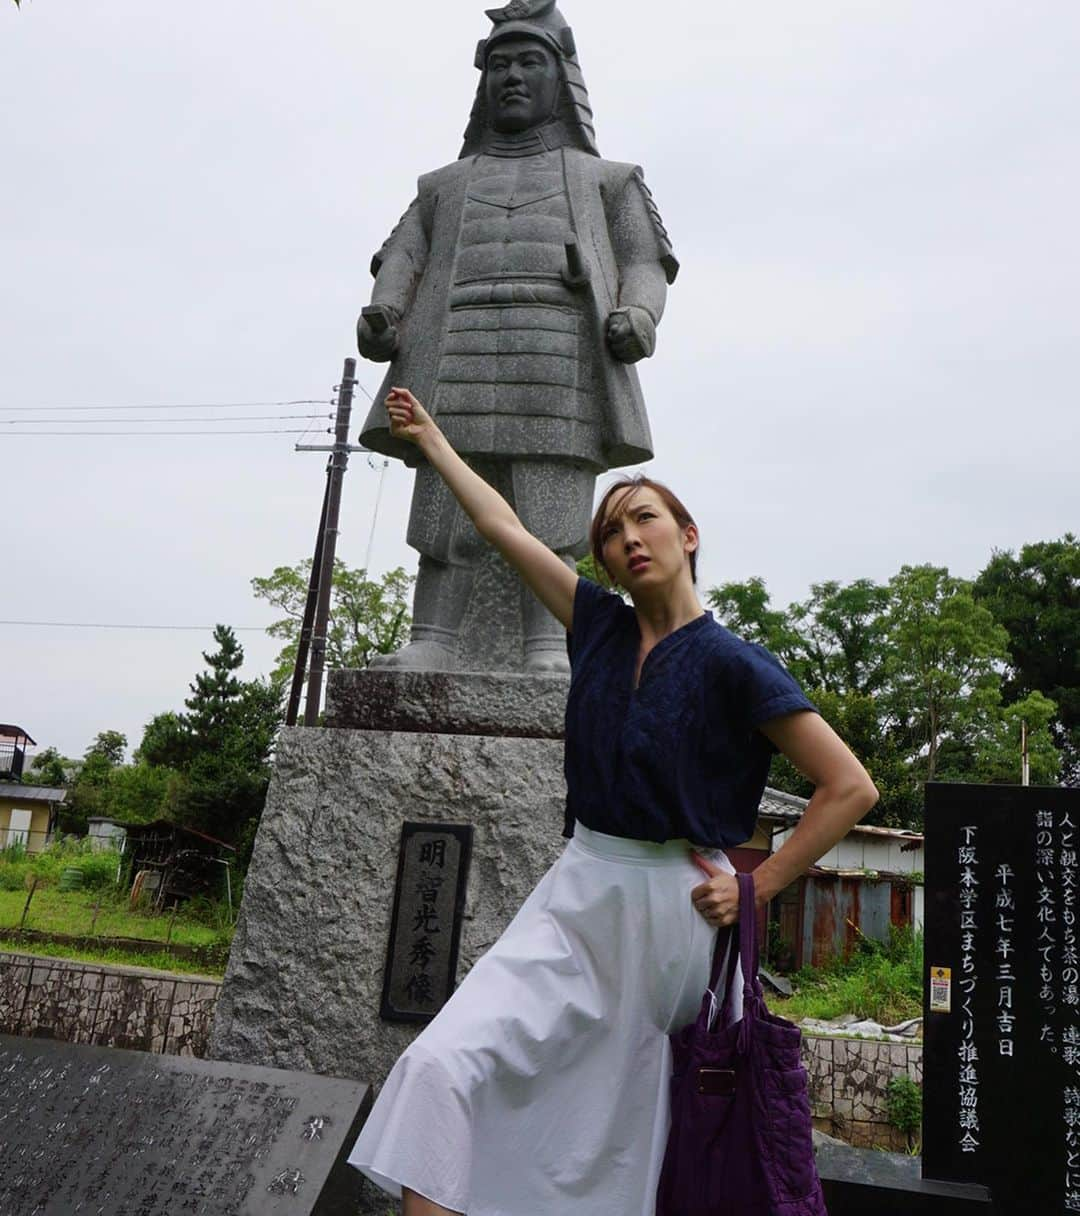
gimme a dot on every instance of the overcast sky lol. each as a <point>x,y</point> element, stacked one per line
<point>869,358</point>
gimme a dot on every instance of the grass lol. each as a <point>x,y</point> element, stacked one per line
<point>101,909</point>
<point>882,982</point>
<point>159,960</point>
<point>72,912</point>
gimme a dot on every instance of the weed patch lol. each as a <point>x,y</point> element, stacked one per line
<point>880,981</point>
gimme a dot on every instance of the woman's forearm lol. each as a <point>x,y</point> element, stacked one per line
<point>829,816</point>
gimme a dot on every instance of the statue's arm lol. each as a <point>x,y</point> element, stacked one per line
<point>646,265</point>
<point>397,268</point>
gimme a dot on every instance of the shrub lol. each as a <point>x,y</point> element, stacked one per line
<point>98,870</point>
<point>903,1102</point>
<point>13,875</point>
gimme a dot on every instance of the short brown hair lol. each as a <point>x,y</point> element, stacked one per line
<point>639,482</point>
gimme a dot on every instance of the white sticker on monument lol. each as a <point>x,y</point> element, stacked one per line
<point>940,989</point>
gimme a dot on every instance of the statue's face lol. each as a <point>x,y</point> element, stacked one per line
<point>522,78</point>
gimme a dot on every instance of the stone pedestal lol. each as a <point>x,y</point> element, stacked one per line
<point>305,975</point>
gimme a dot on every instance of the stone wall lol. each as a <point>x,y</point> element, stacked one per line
<point>105,1006</point>
<point>848,1079</point>
<point>172,1014</point>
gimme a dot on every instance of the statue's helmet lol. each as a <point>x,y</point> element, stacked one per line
<point>539,19</point>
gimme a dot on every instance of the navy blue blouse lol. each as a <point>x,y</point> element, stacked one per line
<point>680,755</point>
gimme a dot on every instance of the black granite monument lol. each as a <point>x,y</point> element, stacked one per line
<point>101,1131</point>
<point>1002,1062</point>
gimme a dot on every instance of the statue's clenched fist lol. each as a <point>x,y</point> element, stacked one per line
<point>631,334</point>
<point>376,333</point>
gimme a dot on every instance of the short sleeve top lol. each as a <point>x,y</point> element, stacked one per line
<point>680,756</point>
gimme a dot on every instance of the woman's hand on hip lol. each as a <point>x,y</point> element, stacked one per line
<point>717,899</point>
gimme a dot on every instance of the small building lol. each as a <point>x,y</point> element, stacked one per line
<point>868,881</point>
<point>28,814</point>
<point>184,862</point>
<point>105,833</point>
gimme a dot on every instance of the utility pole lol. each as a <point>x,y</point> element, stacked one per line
<point>1025,758</point>
<point>317,607</point>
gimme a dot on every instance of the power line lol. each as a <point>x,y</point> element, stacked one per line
<point>164,628</point>
<point>156,434</point>
<point>157,421</point>
<point>204,405</point>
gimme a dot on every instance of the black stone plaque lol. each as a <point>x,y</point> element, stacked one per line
<point>1002,994</point>
<point>425,933</point>
<point>95,1131</point>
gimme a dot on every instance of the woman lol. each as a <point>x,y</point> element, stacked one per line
<point>542,1086</point>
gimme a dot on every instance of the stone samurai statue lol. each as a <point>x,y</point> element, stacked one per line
<point>513,298</point>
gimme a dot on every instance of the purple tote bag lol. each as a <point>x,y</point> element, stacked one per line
<point>741,1137</point>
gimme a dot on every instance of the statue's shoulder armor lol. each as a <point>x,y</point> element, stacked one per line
<point>431,183</point>
<point>427,191</point>
<point>615,177</point>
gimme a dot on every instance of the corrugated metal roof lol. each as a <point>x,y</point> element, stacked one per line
<point>18,792</point>
<point>787,808</point>
<point>855,872</point>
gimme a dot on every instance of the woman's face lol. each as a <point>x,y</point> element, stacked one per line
<point>642,544</point>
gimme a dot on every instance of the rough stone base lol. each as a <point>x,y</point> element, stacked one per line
<point>305,974</point>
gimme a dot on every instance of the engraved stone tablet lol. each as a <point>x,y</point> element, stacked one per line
<point>1002,1046</point>
<point>429,902</point>
<point>96,1130</point>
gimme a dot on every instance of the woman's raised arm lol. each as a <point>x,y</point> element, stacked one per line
<point>547,575</point>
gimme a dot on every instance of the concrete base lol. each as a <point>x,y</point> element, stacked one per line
<point>867,1182</point>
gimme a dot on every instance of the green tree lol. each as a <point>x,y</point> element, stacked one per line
<point>141,793</point>
<point>166,742</point>
<point>215,693</point>
<point>222,745</point>
<point>944,656</point>
<point>49,768</point>
<point>88,796</point>
<point>366,618</point>
<point>840,631</point>
<point>1035,596</point>
<point>997,756</point>
<point>107,749</point>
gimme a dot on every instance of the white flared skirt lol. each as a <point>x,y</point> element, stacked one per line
<point>542,1086</point>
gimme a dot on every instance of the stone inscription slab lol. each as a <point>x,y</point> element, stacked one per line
<point>95,1131</point>
<point>425,932</point>
<point>1002,994</point>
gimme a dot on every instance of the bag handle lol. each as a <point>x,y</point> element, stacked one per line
<point>747,954</point>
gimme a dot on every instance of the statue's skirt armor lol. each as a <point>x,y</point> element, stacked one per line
<point>542,1087</point>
